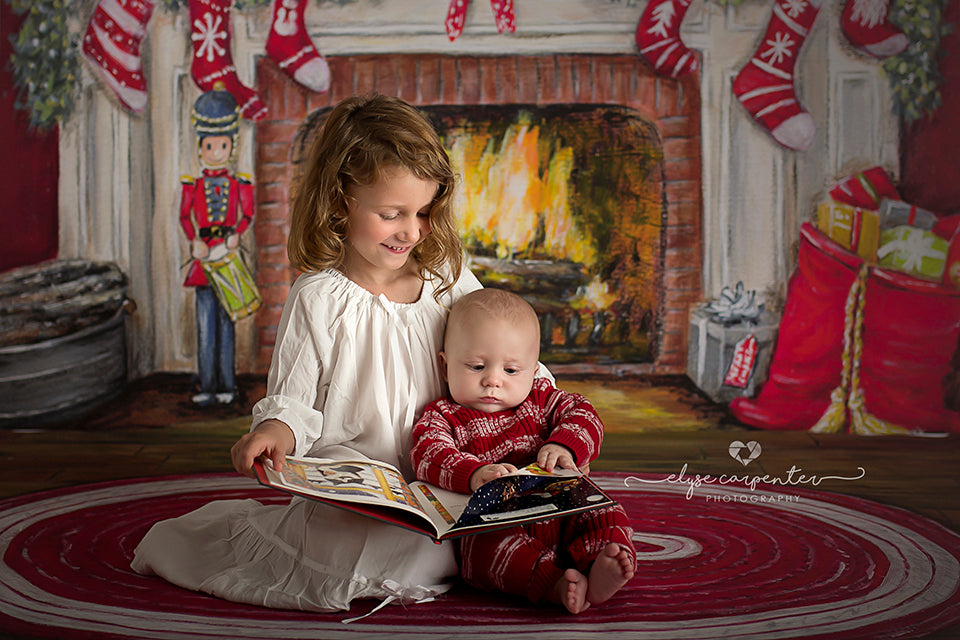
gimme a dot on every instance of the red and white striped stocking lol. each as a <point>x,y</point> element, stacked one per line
<point>211,35</point>
<point>112,45</point>
<point>289,45</point>
<point>658,38</point>
<point>865,24</point>
<point>503,14</point>
<point>765,84</point>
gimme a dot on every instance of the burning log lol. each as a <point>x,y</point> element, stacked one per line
<point>551,279</point>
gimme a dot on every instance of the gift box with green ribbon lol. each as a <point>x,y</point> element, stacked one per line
<point>914,251</point>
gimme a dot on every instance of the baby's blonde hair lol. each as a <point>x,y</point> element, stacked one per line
<point>361,139</point>
<point>493,303</point>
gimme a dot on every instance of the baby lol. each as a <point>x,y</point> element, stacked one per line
<point>501,416</point>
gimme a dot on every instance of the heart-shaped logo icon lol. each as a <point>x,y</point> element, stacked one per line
<point>745,453</point>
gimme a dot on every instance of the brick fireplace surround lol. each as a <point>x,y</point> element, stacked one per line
<point>433,79</point>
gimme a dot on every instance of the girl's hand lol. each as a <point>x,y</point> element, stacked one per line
<point>555,455</point>
<point>271,438</point>
<point>488,472</point>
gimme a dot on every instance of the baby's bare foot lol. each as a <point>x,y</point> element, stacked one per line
<point>612,569</point>
<point>571,591</point>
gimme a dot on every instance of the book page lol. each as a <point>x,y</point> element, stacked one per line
<point>443,507</point>
<point>534,469</point>
<point>357,481</point>
<point>520,498</point>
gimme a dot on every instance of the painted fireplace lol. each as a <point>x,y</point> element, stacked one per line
<point>580,191</point>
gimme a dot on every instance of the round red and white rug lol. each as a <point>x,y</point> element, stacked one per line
<point>727,562</point>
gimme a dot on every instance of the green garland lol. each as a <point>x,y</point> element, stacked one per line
<point>44,61</point>
<point>46,67</point>
<point>914,75</point>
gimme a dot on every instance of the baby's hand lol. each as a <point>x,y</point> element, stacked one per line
<point>555,455</point>
<point>488,472</point>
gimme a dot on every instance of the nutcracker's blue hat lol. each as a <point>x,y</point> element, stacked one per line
<point>216,113</point>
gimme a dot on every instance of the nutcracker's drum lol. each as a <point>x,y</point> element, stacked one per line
<point>232,282</point>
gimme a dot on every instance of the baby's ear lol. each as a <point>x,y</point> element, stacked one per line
<point>442,359</point>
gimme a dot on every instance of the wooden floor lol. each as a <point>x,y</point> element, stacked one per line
<point>652,426</point>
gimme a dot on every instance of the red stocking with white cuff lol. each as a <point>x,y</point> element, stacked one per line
<point>658,38</point>
<point>865,25</point>
<point>112,45</point>
<point>765,84</point>
<point>503,15</point>
<point>211,35</point>
<point>289,45</point>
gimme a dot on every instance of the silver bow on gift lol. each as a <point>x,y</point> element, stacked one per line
<point>735,306</point>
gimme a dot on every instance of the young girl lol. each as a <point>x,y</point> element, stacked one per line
<point>354,365</point>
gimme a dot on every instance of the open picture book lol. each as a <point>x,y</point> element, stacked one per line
<point>378,490</point>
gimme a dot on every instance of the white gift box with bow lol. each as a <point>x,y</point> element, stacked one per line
<point>716,329</point>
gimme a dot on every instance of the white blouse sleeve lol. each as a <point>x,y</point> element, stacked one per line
<point>295,371</point>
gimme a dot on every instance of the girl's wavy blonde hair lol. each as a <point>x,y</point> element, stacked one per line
<point>361,138</point>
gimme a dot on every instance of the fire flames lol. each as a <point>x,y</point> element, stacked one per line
<point>515,202</point>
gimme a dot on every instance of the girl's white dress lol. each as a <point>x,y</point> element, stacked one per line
<point>351,372</point>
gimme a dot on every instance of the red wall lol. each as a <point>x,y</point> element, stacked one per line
<point>28,171</point>
<point>929,149</point>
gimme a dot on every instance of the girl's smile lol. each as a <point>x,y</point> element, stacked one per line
<point>398,249</point>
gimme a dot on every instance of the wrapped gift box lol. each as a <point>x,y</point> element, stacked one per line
<point>865,189</point>
<point>894,213</point>
<point>712,352</point>
<point>915,251</point>
<point>856,229</point>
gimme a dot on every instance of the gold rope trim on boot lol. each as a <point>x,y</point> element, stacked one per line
<point>834,419</point>
<point>862,422</point>
<point>867,424</point>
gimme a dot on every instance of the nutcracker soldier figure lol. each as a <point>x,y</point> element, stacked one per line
<point>215,209</point>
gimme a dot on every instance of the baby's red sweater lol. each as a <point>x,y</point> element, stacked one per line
<point>451,441</point>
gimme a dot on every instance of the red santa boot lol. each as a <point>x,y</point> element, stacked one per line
<point>865,25</point>
<point>112,45</point>
<point>807,368</point>
<point>211,34</point>
<point>658,38</point>
<point>289,45</point>
<point>911,329</point>
<point>765,84</point>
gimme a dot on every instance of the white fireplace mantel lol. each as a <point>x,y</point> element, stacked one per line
<point>119,175</point>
